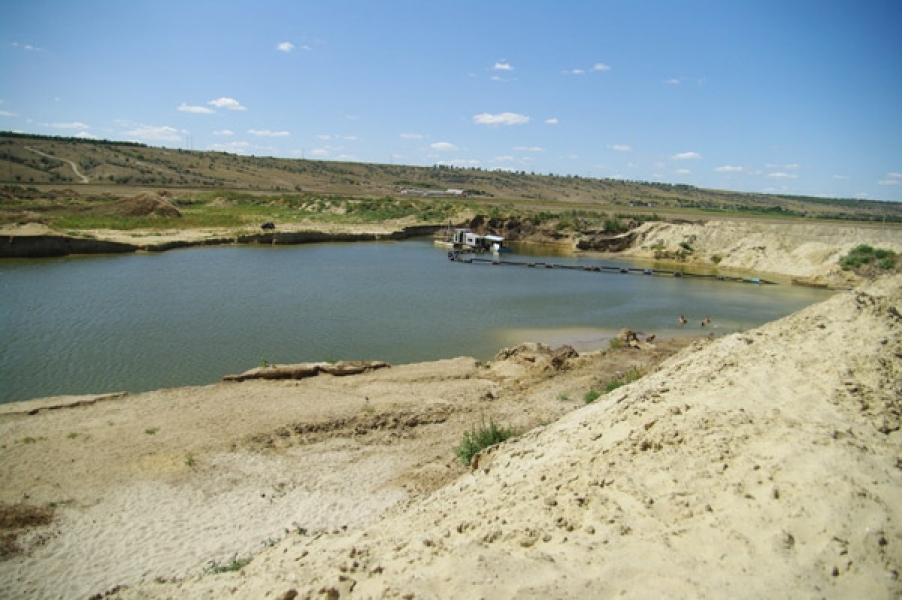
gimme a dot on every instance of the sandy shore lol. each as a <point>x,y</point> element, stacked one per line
<point>760,464</point>
<point>161,485</point>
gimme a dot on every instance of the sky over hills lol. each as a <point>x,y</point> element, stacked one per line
<point>798,96</point>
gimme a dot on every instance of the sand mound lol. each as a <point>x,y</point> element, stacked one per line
<point>764,464</point>
<point>145,204</point>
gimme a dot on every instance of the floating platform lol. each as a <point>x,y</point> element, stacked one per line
<point>470,259</point>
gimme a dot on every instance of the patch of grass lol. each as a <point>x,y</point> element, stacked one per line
<point>615,343</point>
<point>563,397</point>
<point>151,430</point>
<point>235,564</point>
<point>716,259</point>
<point>591,396</point>
<point>630,376</point>
<point>864,256</point>
<point>480,438</point>
<point>189,461</point>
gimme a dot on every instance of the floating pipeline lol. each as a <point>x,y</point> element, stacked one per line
<point>469,259</point>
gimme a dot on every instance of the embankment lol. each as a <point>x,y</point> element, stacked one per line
<point>48,244</point>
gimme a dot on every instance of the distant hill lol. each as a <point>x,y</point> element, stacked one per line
<point>41,161</point>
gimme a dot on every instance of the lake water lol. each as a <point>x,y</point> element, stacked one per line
<point>145,321</point>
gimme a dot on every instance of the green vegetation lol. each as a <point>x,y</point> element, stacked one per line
<point>866,258</point>
<point>628,377</point>
<point>591,396</point>
<point>283,189</point>
<point>480,438</point>
<point>151,430</point>
<point>235,564</point>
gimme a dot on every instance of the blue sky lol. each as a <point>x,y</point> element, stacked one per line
<point>793,96</point>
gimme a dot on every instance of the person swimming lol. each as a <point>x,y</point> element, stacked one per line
<point>682,320</point>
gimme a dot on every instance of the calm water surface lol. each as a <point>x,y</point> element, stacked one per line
<point>145,321</point>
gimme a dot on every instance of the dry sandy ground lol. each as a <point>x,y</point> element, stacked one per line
<point>163,484</point>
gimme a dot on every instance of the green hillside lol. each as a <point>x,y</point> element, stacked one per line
<point>34,165</point>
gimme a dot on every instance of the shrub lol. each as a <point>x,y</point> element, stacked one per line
<point>591,396</point>
<point>863,255</point>
<point>236,564</point>
<point>479,438</point>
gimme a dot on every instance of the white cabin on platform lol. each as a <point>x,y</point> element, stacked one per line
<point>464,239</point>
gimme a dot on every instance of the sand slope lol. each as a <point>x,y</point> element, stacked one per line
<point>766,464</point>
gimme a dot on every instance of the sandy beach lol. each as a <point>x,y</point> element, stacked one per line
<point>766,463</point>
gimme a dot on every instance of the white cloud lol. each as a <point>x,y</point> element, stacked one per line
<point>229,103</point>
<point>85,135</point>
<point>683,172</point>
<point>268,133</point>
<point>443,146</point>
<point>75,125</point>
<point>155,133</point>
<point>730,169</point>
<point>6,113</point>
<point>27,47</point>
<point>782,175</point>
<point>551,121</point>
<point>529,149</point>
<point>285,47</point>
<point>789,167</point>
<point>686,156</point>
<point>411,136</point>
<point>620,148</point>
<point>224,132</point>
<point>200,110</point>
<point>503,66</point>
<point>841,177</point>
<point>891,179</point>
<point>601,67</point>
<point>574,72</point>
<point>500,119</point>
<point>319,152</point>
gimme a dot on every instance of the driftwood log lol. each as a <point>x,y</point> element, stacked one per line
<point>304,370</point>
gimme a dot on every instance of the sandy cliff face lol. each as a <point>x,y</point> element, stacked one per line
<point>793,249</point>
